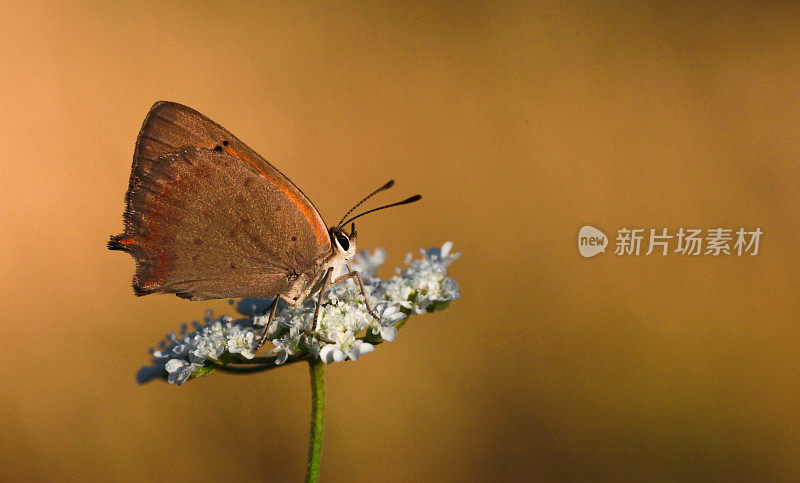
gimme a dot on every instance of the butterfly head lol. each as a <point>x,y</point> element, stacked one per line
<point>344,244</point>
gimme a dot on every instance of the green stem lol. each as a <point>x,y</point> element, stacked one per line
<point>317,413</point>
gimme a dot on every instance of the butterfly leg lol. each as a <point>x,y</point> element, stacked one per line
<point>272,311</point>
<point>325,281</point>
<point>357,276</point>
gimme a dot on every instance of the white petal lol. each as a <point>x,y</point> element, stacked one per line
<point>360,348</point>
<point>446,249</point>
<point>338,355</point>
<point>388,333</point>
<point>282,356</point>
<point>326,353</point>
<point>173,378</point>
<point>393,318</point>
<point>174,365</point>
<point>183,375</point>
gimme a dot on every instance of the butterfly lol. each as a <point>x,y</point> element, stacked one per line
<point>206,217</point>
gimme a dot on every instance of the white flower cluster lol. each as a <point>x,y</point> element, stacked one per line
<point>342,317</point>
<point>343,314</point>
<point>346,329</point>
<point>423,285</point>
<point>187,355</point>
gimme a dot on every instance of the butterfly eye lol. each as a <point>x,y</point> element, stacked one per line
<point>343,242</point>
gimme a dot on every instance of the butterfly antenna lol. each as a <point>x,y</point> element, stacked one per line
<point>382,188</point>
<point>404,202</point>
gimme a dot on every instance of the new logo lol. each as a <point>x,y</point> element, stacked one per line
<point>591,241</point>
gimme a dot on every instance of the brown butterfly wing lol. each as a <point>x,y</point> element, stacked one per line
<point>170,126</point>
<point>204,224</point>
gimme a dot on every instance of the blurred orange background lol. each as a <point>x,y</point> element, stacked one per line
<point>518,125</point>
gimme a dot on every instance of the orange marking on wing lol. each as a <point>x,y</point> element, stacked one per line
<point>158,277</point>
<point>308,211</point>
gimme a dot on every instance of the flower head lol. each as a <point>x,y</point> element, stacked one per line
<point>424,285</point>
<point>347,329</point>
<point>216,341</point>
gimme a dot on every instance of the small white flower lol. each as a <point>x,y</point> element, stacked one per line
<point>288,344</point>
<point>179,370</point>
<point>241,341</point>
<point>450,289</point>
<point>388,315</point>
<point>282,355</point>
